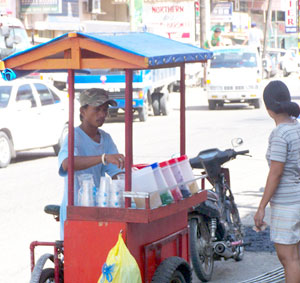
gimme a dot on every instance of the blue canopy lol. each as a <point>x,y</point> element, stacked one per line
<point>139,50</point>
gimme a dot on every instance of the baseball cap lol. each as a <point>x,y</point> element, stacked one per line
<point>217,30</point>
<point>95,97</point>
<point>253,24</point>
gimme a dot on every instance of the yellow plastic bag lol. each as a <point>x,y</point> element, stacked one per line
<point>120,266</point>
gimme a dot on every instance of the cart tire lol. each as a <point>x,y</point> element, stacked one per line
<point>201,251</point>
<point>155,104</point>
<point>173,270</point>
<point>5,150</point>
<point>164,103</point>
<point>64,133</point>
<point>47,276</point>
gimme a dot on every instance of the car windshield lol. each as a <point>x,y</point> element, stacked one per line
<point>233,59</point>
<point>4,95</point>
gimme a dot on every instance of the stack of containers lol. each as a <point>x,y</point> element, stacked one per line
<point>170,179</point>
<point>185,191</point>
<point>143,180</point>
<point>187,173</point>
<point>165,194</point>
<point>87,190</point>
<point>103,191</point>
<point>116,193</point>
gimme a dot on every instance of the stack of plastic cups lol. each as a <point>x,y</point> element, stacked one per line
<point>179,177</point>
<point>187,173</point>
<point>165,195</point>
<point>87,190</point>
<point>170,179</point>
<point>103,192</point>
<point>116,193</point>
<point>85,194</point>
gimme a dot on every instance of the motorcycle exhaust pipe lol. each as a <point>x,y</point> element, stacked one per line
<point>222,250</point>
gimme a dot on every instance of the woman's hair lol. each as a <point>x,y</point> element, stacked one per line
<point>277,98</point>
<point>80,116</point>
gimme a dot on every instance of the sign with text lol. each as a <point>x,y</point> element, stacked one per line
<point>40,6</point>
<point>175,20</point>
<point>222,12</point>
<point>291,16</point>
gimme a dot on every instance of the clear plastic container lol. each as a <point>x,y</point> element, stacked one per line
<point>187,173</point>
<point>170,179</point>
<point>179,177</point>
<point>165,194</point>
<point>143,180</point>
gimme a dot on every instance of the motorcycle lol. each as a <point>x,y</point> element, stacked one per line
<point>216,230</point>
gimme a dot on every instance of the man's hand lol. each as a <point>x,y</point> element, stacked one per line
<point>117,159</point>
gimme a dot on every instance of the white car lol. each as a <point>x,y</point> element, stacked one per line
<point>33,114</point>
<point>234,76</point>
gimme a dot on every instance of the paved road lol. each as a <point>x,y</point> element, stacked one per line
<point>32,181</point>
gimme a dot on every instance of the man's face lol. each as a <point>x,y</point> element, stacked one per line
<point>94,115</point>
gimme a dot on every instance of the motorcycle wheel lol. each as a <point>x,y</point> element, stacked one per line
<point>201,250</point>
<point>237,228</point>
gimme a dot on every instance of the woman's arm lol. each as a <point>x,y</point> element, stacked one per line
<point>274,176</point>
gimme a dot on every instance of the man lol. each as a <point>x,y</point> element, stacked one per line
<point>94,150</point>
<point>255,37</point>
<point>215,39</point>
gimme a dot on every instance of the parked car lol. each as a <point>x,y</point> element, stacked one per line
<point>33,114</point>
<point>234,76</point>
<point>286,60</point>
<point>270,67</point>
<point>289,62</point>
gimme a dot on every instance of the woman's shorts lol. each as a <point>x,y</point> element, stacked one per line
<point>285,223</point>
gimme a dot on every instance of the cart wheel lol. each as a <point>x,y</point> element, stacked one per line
<point>173,270</point>
<point>47,276</point>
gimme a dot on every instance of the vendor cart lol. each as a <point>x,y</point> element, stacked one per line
<point>157,238</point>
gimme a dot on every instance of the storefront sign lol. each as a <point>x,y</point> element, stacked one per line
<point>174,20</point>
<point>40,6</point>
<point>291,16</point>
<point>222,12</point>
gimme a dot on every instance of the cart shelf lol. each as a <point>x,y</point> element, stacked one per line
<point>130,215</point>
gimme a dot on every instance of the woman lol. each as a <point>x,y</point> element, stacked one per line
<point>282,188</point>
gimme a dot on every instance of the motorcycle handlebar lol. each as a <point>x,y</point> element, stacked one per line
<point>242,152</point>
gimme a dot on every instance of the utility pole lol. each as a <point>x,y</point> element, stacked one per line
<point>204,20</point>
<point>131,15</point>
<point>268,20</point>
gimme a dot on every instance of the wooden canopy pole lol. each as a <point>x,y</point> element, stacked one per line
<point>71,138</point>
<point>182,109</point>
<point>128,132</point>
